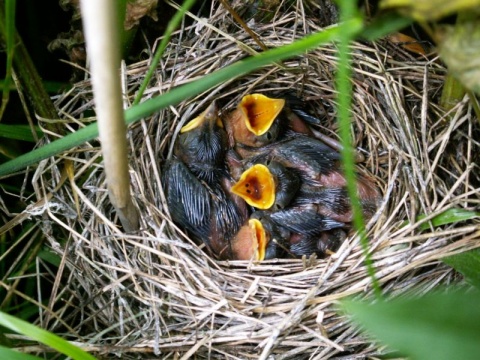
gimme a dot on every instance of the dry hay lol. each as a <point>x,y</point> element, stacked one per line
<point>157,292</point>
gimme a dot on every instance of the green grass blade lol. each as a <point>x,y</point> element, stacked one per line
<point>180,93</point>
<point>55,147</point>
<point>50,257</point>
<point>53,87</point>
<point>385,24</point>
<point>6,353</point>
<point>44,337</point>
<point>452,93</point>
<point>18,132</point>
<point>344,101</point>
<point>437,326</point>
<point>172,25</point>
<point>28,77</point>
<point>10,45</point>
<point>125,37</point>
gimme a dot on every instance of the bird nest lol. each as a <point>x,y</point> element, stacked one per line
<point>156,291</point>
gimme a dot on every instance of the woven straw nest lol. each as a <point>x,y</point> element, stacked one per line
<point>156,292</point>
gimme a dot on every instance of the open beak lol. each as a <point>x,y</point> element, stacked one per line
<point>250,242</point>
<point>260,112</point>
<point>210,115</point>
<point>256,186</point>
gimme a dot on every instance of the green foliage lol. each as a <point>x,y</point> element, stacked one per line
<point>450,216</point>
<point>459,49</point>
<point>50,257</point>
<point>385,24</point>
<point>348,11</point>
<point>452,93</point>
<point>427,10</point>
<point>437,326</point>
<point>467,263</point>
<point>10,45</point>
<point>18,132</point>
<point>6,353</point>
<point>44,337</point>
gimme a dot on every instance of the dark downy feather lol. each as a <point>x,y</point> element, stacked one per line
<point>304,220</point>
<point>308,156</point>
<point>333,199</point>
<point>187,199</point>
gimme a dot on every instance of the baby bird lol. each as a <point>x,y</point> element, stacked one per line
<point>263,154</point>
<point>320,171</point>
<point>207,212</point>
<point>259,120</point>
<point>254,122</point>
<point>321,245</point>
<point>197,185</point>
<point>297,232</point>
<point>267,185</point>
<point>332,199</point>
<point>201,145</point>
<point>250,243</point>
<point>308,157</point>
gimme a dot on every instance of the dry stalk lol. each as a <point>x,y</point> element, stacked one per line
<point>100,23</point>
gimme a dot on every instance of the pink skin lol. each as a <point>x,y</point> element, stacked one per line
<point>367,192</point>
<point>242,245</point>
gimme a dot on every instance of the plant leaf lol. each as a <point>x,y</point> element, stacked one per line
<point>459,49</point>
<point>384,25</point>
<point>10,44</point>
<point>427,10</point>
<point>468,264</point>
<point>50,257</point>
<point>44,337</point>
<point>18,132</point>
<point>449,216</point>
<point>437,326</point>
<point>6,353</point>
<point>452,93</point>
<point>343,85</point>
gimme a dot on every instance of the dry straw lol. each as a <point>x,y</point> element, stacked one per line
<point>156,292</point>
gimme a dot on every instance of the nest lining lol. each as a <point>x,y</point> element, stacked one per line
<point>157,291</point>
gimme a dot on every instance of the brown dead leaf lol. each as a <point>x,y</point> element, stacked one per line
<point>407,42</point>
<point>138,9</point>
